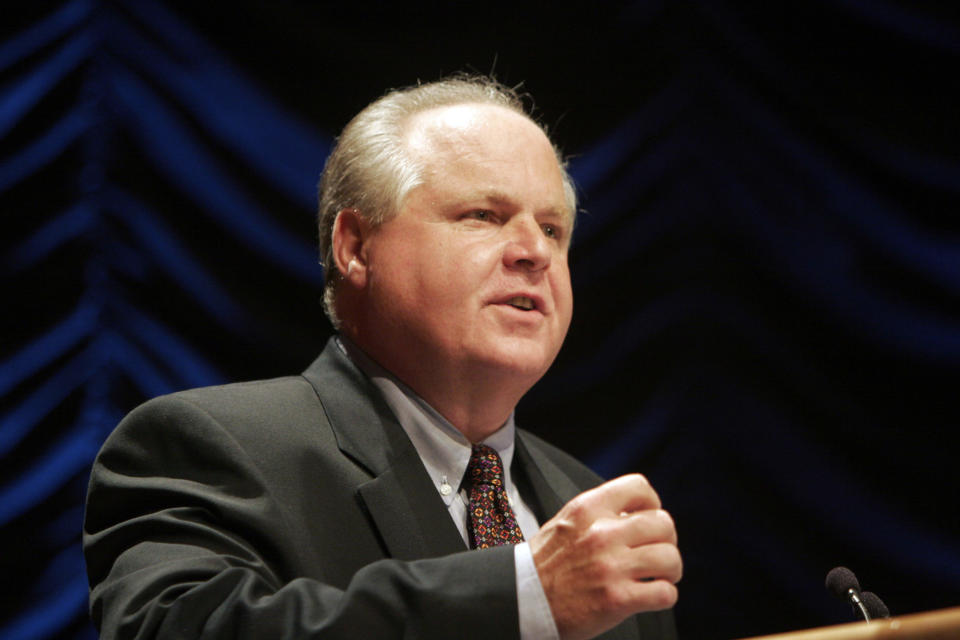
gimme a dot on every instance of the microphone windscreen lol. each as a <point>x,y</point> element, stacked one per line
<point>840,580</point>
<point>874,605</point>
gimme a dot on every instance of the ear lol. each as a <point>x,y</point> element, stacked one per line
<point>350,232</point>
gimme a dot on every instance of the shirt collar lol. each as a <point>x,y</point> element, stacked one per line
<point>445,451</point>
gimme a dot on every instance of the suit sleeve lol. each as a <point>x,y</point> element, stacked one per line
<point>184,539</point>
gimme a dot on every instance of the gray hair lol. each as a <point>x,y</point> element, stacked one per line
<point>369,169</point>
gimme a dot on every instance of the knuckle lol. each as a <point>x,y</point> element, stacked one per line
<point>667,558</point>
<point>577,508</point>
<point>663,595</point>
<point>614,597</point>
<point>606,569</point>
<point>666,555</point>
<point>678,567</point>
<point>597,535</point>
<point>640,479</point>
<point>665,517</point>
<point>658,524</point>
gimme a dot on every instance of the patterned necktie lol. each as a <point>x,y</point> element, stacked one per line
<point>492,521</point>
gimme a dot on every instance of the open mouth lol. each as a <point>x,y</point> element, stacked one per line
<point>522,302</point>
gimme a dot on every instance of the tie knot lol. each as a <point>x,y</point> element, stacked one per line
<point>485,467</point>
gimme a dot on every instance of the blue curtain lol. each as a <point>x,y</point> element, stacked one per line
<point>766,270</point>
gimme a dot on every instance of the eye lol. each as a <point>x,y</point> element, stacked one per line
<point>480,214</point>
<point>551,231</point>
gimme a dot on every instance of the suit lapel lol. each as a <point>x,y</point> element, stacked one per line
<point>545,488</point>
<point>412,520</point>
<point>403,504</point>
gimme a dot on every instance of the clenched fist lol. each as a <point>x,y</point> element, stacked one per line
<point>609,553</point>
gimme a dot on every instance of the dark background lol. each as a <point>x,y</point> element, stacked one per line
<point>766,273</point>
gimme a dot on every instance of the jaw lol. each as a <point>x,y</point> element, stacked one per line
<point>522,349</point>
<point>476,375</point>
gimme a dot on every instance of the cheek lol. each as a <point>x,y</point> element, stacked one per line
<point>562,291</point>
<point>443,285</point>
<point>461,270</point>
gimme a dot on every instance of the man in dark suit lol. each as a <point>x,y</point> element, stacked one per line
<point>370,497</point>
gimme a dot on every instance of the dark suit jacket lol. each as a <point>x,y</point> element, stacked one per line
<point>298,508</point>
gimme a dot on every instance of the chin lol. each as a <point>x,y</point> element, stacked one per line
<point>520,359</point>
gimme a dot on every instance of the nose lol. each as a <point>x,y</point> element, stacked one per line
<point>527,247</point>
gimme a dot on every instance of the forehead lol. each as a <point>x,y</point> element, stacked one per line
<point>486,148</point>
<point>465,123</point>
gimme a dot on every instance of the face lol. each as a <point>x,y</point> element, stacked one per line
<point>471,274</point>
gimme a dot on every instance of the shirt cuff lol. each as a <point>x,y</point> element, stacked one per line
<point>536,619</point>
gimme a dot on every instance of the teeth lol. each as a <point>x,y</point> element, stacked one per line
<point>521,302</point>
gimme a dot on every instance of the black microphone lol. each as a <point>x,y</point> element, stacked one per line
<point>843,584</point>
<point>874,605</point>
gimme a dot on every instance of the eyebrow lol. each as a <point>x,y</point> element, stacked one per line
<point>501,199</point>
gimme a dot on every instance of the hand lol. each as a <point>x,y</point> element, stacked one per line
<point>609,553</point>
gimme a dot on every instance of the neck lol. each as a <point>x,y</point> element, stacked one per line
<point>476,412</point>
<point>475,400</point>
